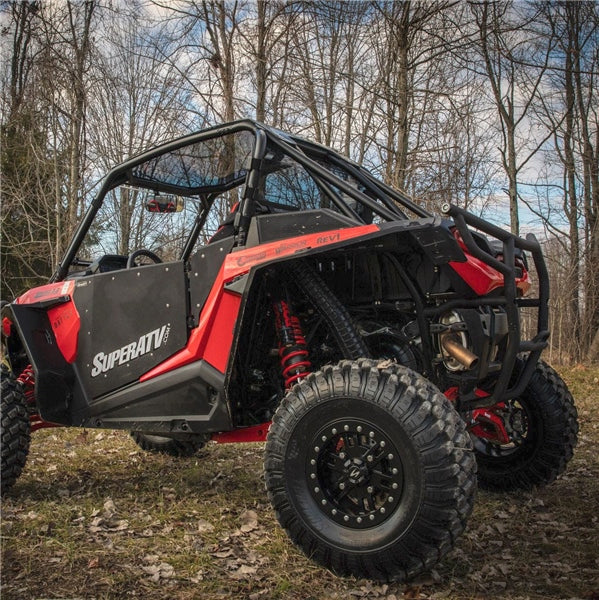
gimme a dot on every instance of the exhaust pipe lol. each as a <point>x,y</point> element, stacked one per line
<point>467,359</point>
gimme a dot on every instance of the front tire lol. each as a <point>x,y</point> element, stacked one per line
<point>544,436</point>
<point>166,445</point>
<point>370,470</point>
<point>15,431</point>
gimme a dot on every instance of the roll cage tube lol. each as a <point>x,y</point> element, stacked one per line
<point>123,174</point>
<point>198,225</point>
<point>246,210</point>
<point>382,190</point>
<point>510,301</point>
<point>326,175</point>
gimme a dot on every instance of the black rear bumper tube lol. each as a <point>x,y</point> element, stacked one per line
<point>510,301</point>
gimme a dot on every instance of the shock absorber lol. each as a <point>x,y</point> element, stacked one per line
<point>293,350</point>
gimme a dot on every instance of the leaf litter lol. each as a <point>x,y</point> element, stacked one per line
<point>92,511</point>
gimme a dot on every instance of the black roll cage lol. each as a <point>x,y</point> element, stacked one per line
<point>302,151</point>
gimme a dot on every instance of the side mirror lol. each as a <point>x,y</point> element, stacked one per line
<point>164,203</point>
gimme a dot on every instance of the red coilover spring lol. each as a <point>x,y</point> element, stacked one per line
<point>27,380</point>
<point>293,350</point>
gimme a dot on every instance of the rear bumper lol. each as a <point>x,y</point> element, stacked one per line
<point>506,386</point>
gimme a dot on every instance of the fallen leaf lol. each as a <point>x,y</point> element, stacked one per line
<point>204,526</point>
<point>119,525</point>
<point>161,571</point>
<point>199,576</point>
<point>384,364</point>
<point>243,571</point>
<point>150,558</point>
<point>109,508</point>
<point>249,521</point>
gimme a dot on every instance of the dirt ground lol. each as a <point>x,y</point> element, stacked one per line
<point>93,516</point>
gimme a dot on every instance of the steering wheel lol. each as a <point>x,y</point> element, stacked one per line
<point>142,252</point>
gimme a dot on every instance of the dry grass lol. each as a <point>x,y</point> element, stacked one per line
<point>95,517</point>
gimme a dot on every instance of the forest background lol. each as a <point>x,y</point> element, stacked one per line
<point>490,105</point>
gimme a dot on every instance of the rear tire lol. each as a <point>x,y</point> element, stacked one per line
<point>166,445</point>
<point>388,517</point>
<point>15,431</point>
<point>547,420</point>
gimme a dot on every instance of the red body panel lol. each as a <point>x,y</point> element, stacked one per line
<point>212,338</point>
<point>238,263</point>
<point>220,339</point>
<point>65,323</point>
<point>482,278</point>
<point>47,292</point>
<point>6,327</point>
<point>64,318</point>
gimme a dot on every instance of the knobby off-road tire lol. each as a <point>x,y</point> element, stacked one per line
<point>166,445</point>
<point>548,420</point>
<point>370,470</point>
<point>15,429</point>
<point>332,309</point>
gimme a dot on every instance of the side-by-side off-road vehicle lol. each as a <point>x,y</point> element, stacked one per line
<point>291,297</point>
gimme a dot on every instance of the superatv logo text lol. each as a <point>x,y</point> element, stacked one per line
<point>146,343</point>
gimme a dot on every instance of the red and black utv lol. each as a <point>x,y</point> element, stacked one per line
<point>375,347</point>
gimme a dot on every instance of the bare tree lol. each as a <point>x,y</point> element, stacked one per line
<point>507,39</point>
<point>44,133</point>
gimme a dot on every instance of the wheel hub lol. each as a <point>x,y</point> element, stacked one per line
<point>355,473</point>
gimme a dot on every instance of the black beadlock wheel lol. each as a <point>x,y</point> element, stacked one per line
<point>543,427</point>
<point>370,470</point>
<point>15,431</point>
<point>166,445</point>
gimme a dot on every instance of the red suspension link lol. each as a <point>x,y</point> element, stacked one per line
<point>27,380</point>
<point>293,350</point>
